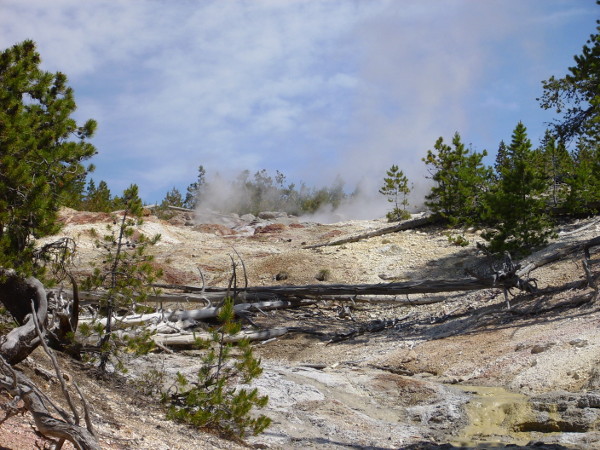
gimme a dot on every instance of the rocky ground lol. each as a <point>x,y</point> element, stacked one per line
<point>464,371</point>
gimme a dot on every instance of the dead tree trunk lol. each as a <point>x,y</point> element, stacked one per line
<point>16,294</point>
<point>561,253</point>
<point>189,340</point>
<point>25,299</point>
<point>21,387</point>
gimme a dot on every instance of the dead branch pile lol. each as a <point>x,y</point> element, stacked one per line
<point>181,327</point>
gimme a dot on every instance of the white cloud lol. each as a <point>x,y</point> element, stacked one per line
<point>314,88</point>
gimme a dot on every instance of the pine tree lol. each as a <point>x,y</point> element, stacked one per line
<point>214,399</point>
<point>125,275</point>
<point>98,199</point>
<point>395,188</point>
<point>172,198</point>
<point>41,151</point>
<point>516,208</point>
<point>584,181</point>
<point>460,179</point>
<point>577,95</point>
<point>501,159</point>
<point>195,190</point>
<point>556,164</point>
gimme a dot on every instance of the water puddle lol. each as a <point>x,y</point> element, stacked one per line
<point>492,413</point>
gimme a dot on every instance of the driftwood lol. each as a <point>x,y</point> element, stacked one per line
<point>404,225</point>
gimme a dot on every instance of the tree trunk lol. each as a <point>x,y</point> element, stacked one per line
<point>16,294</point>
<point>189,340</point>
<point>18,385</point>
<point>19,295</point>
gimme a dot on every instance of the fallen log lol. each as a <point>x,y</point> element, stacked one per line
<point>369,327</point>
<point>561,253</point>
<point>239,309</point>
<point>332,292</point>
<point>177,208</point>
<point>189,340</point>
<point>404,225</point>
<point>397,288</point>
<point>198,314</point>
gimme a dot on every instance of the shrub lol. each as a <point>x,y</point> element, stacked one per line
<point>323,275</point>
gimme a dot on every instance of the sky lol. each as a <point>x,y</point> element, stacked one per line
<point>312,88</point>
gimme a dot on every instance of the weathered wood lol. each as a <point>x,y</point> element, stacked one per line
<point>404,225</point>
<point>177,208</point>
<point>26,300</point>
<point>18,385</point>
<point>370,327</point>
<point>188,340</point>
<point>559,254</point>
<point>16,293</point>
<point>589,244</point>
<point>198,314</point>
<point>398,288</point>
<point>241,308</point>
<point>331,292</point>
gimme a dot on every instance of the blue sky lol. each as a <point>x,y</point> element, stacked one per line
<point>312,88</point>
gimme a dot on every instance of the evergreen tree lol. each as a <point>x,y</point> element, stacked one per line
<point>501,159</point>
<point>584,182</point>
<point>195,190</point>
<point>125,276</point>
<point>516,208</point>
<point>556,164</point>
<point>577,95</point>
<point>98,199</point>
<point>395,188</point>
<point>460,179</point>
<point>172,198</point>
<point>41,151</point>
<point>213,398</point>
<point>75,199</point>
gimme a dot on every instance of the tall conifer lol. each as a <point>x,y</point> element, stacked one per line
<point>41,151</point>
<point>516,207</point>
<point>460,180</point>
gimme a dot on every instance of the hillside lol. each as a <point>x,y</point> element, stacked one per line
<point>461,370</point>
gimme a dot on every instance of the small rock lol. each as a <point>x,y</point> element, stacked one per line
<point>269,215</point>
<point>283,275</point>
<point>409,356</point>
<point>540,348</point>
<point>579,343</point>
